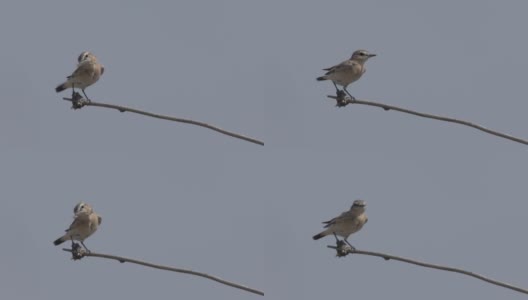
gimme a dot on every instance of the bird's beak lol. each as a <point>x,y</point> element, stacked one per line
<point>371,55</point>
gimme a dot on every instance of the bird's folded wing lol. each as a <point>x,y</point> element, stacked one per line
<point>79,220</point>
<point>83,67</point>
<point>335,220</point>
<point>340,67</point>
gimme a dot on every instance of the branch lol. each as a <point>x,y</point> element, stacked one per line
<point>343,250</point>
<point>342,101</point>
<point>78,253</point>
<point>79,102</point>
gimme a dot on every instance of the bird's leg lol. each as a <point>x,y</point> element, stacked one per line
<point>337,240</point>
<point>85,95</point>
<point>337,89</point>
<point>339,93</point>
<point>352,247</point>
<point>73,89</point>
<point>351,97</point>
<point>340,96</point>
<point>87,250</point>
<point>339,245</point>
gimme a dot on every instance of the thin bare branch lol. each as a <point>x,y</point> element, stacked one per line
<point>79,102</point>
<point>78,253</point>
<point>341,101</point>
<point>343,250</point>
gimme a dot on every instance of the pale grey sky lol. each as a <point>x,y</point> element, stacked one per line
<point>188,197</point>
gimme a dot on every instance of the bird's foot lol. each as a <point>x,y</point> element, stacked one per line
<point>343,98</point>
<point>350,245</point>
<point>78,101</point>
<point>78,252</point>
<point>340,98</point>
<point>350,97</point>
<point>341,248</point>
<point>86,248</point>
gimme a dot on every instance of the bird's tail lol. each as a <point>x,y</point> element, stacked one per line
<point>60,240</point>
<point>319,235</point>
<point>321,78</point>
<point>62,87</point>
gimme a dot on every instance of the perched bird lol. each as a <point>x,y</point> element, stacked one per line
<point>88,71</point>
<point>347,223</point>
<point>85,223</point>
<point>348,71</point>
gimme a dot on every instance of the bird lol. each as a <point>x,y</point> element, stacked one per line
<point>347,71</point>
<point>347,223</point>
<point>88,71</point>
<point>85,223</point>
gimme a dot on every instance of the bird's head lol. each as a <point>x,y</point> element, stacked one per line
<point>358,205</point>
<point>361,55</point>
<point>86,55</point>
<point>82,207</point>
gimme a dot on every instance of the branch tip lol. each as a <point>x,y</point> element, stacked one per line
<point>344,101</point>
<point>343,251</point>
<point>77,251</point>
<point>78,102</point>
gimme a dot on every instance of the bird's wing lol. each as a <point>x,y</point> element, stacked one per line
<point>334,220</point>
<point>79,220</point>
<point>339,67</point>
<point>329,223</point>
<point>84,67</point>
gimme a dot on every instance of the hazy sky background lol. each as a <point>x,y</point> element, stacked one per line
<point>188,197</point>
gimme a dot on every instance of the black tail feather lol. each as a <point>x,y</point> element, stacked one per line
<point>60,88</point>
<point>318,236</point>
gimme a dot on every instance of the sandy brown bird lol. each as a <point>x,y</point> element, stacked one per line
<point>347,223</point>
<point>347,71</point>
<point>88,71</point>
<point>85,223</point>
